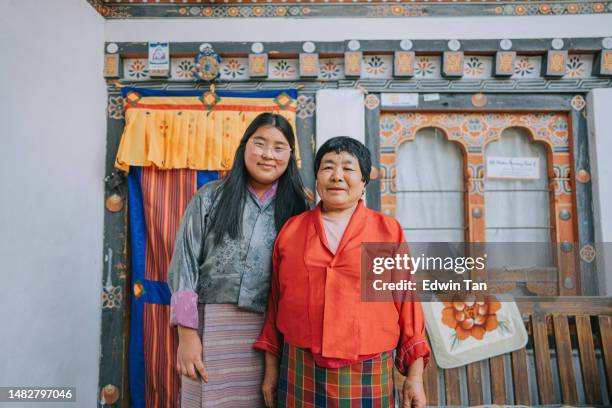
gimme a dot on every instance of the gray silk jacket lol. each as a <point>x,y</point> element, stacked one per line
<point>237,271</point>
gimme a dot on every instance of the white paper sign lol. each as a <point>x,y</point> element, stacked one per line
<point>513,167</point>
<point>159,58</point>
<point>397,100</point>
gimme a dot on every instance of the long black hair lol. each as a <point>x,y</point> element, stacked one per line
<point>230,197</point>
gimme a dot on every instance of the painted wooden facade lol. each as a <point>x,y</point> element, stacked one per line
<point>472,106</point>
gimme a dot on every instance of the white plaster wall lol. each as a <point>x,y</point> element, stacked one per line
<point>600,148</point>
<point>335,29</point>
<point>52,144</point>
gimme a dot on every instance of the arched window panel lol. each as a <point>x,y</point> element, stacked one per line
<point>430,188</point>
<point>517,210</point>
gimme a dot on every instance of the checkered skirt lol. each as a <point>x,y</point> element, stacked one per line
<point>303,384</point>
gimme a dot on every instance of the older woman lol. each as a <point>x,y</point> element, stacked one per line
<point>336,350</point>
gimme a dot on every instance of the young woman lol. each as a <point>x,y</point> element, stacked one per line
<point>221,267</point>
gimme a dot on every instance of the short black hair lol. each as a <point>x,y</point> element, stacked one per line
<point>352,146</point>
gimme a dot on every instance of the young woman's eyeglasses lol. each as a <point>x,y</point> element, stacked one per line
<point>277,151</point>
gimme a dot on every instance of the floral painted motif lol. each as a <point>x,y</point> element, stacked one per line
<point>474,66</point>
<point>579,65</point>
<point>111,297</point>
<point>575,67</point>
<point>305,106</point>
<point>375,66</point>
<point>283,100</point>
<point>578,102</point>
<point>184,69</point>
<point>329,69</point>
<point>132,98</point>
<point>209,99</point>
<point>424,67</point>
<point>233,69</point>
<point>115,107</point>
<point>282,69</point>
<point>524,67</point>
<point>371,102</point>
<point>138,69</point>
<point>472,318</point>
<point>138,289</point>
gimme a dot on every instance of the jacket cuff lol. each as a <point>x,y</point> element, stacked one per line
<point>184,309</point>
<point>267,346</point>
<point>410,352</point>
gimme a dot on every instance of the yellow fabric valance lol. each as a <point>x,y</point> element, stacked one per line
<point>191,132</point>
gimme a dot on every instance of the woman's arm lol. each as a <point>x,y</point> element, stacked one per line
<point>413,391</point>
<point>184,267</point>
<point>270,339</point>
<point>270,381</point>
<point>183,280</point>
<point>413,352</point>
<point>413,343</point>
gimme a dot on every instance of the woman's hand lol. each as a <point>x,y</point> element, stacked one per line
<point>189,356</point>
<point>270,381</point>
<point>413,392</point>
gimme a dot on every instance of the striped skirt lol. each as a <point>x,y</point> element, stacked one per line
<point>303,384</point>
<point>235,369</point>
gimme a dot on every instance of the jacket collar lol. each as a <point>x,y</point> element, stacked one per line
<point>266,197</point>
<point>353,230</point>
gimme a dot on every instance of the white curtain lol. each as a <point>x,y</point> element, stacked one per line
<point>518,210</point>
<point>429,196</point>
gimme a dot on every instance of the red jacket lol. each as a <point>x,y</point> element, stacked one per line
<point>315,296</point>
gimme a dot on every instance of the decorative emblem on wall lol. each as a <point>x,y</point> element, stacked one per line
<point>452,65</point>
<point>115,107</point>
<point>583,176</point>
<point>207,64</point>
<point>371,102</point>
<point>305,106</point>
<point>504,63</point>
<point>404,63</point>
<point>578,102</point>
<point>283,100</point>
<point>479,100</point>
<point>258,65</point>
<point>111,295</point>
<point>587,253</point>
<point>111,66</point>
<point>114,203</point>
<point>352,63</point>
<point>109,395</point>
<point>132,98</point>
<point>209,99</point>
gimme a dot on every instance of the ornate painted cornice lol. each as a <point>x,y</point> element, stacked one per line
<point>123,9</point>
